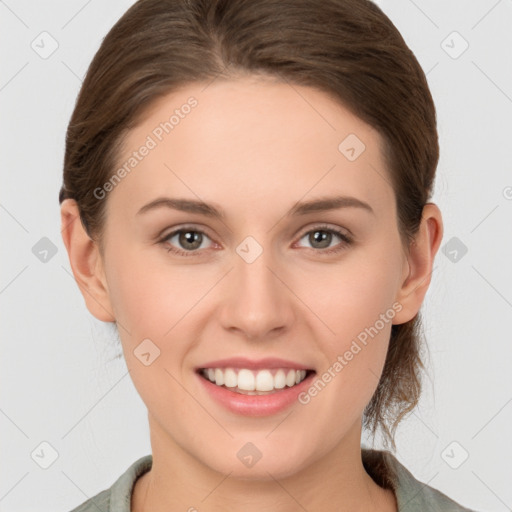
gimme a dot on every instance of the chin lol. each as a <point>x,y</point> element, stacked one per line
<point>251,464</point>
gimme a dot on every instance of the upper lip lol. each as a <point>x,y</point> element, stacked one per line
<point>254,364</point>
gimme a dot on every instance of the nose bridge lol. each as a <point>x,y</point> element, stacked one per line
<point>257,301</point>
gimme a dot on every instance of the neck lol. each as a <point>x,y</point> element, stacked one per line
<point>336,482</point>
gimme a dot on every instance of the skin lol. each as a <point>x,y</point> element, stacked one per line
<point>253,147</point>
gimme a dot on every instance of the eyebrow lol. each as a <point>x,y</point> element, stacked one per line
<point>300,208</point>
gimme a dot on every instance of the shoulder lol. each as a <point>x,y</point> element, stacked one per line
<point>385,469</point>
<point>117,498</point>
<point>98,503</point>
<point>411,494</point>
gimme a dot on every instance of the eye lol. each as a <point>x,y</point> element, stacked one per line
<point>187,240</point>
<point>321,238</point>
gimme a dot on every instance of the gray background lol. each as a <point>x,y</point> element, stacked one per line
<point>60,382</point>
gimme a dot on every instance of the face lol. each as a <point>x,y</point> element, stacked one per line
<point>264,278</point>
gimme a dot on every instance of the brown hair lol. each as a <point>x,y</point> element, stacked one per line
<point>347,48</point>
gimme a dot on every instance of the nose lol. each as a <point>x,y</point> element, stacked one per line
<point>258,304</point>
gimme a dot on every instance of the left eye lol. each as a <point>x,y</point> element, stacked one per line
<point>321,238</point>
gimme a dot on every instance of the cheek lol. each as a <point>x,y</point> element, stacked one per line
<point>355,357</point>
<point>157,306</point>
<point>149,296</point>
<point>151,304</point>
<point>356,301</point>
<point>350,296</point>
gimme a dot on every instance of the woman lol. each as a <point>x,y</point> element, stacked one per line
<point>246,195</point>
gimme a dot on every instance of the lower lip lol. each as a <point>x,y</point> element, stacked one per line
<point>255,405</point>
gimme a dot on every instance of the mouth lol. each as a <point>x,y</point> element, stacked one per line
<point>247,381</point>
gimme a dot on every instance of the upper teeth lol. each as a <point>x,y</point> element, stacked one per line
<point>249,380</point>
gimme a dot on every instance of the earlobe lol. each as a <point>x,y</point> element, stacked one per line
<point>419,263</point>
<point>86,263</point>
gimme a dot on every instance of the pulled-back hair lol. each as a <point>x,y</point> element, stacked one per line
<point>348,49</point>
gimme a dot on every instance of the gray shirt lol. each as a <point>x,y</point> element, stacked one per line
<point>411,494</point>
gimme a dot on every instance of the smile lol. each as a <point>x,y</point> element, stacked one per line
<point>255,382</point>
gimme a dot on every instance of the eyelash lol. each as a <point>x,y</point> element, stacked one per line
<point>346,240</point>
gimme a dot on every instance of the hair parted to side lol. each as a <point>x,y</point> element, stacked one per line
<point>347,48</point>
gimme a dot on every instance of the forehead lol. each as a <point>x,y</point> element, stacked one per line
<point>248,141</point>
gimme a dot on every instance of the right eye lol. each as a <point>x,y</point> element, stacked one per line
<point>188,240</point>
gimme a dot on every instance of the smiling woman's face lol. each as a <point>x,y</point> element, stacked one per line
<point>262,279</point>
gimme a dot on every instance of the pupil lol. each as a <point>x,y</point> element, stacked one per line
<point>324,237</point>
<point>189,237</point>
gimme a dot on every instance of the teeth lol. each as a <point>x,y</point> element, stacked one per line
<point>219,377</point>
<point>230,379</point>
<point>279,380</point>
<point>264,381</point>
<point>246,380</point>
<point>251,382</point>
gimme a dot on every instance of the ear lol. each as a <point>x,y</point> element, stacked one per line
<point>86,262</point>
<point>418,267</point>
